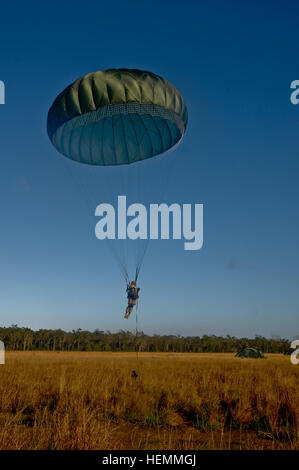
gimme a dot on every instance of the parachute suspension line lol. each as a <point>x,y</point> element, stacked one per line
<point>122,266</point>
<point>127,182</point>
<point>142,253</point>
<point>77,185</point>
<point>139,172</point>
<point>90,209</point>
<point>123,254</point>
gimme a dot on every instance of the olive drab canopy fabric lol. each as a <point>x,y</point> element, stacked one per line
<point>250,352</point>
<point>117,116</point>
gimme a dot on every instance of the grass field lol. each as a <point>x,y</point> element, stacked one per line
<point>52,400</point>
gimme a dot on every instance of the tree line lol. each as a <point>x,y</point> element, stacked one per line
<point>17,338</point>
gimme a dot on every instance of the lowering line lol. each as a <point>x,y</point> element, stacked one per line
<point>136,331</point>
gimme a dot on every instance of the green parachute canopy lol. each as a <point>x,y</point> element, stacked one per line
<point>250,352</point>
<point>116,117</point>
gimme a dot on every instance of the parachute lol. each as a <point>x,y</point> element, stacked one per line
<point>118,118</point>
<point>250,352</point>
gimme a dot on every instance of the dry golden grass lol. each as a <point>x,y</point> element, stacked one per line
<point>178,401</point>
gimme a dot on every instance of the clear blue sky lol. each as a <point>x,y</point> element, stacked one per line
<point>233,62</point>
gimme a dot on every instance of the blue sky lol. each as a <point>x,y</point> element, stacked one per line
<point>233,62</point>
